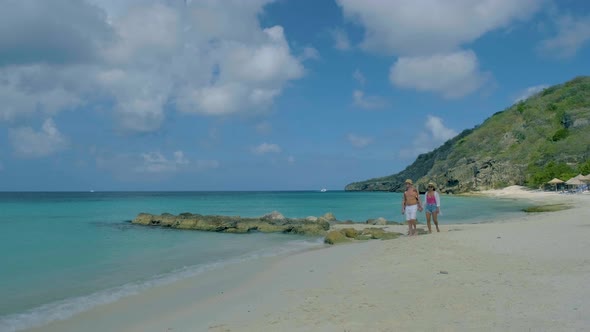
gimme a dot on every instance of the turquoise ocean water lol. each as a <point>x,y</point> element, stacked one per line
<point>63,253</point>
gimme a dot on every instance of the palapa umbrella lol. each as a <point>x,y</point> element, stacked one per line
<point>555,182</point>
<point>575,181</point>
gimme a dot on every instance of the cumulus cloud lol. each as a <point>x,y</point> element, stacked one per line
<point>142,57</point>
<point>452,75</point>
<point>367,102</point>
<point>359,141</point>
<point>29,143</point>
<point>341,41</point>
<point>55,32</point>
<point>573,33</point>
<point>149,165</point>
<point>359,77</point>
<point>437,130</point>
<point>530,91</point>
<point>432,136</point>
<point>156,162</point>
<point>310,53</point>
<point>266,148</point>
<point>409,27</point>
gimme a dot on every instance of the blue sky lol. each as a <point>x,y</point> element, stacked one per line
<point>261,94</point>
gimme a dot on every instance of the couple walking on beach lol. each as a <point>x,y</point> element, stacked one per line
<point>411,204</point>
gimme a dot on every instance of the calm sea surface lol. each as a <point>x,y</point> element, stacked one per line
<point>63,253</point>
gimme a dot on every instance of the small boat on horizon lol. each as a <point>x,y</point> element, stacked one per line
<point>323,190</point>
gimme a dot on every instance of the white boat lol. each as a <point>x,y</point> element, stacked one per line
<point>324,190</point>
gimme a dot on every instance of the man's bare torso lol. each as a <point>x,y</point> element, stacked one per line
<point>411,196</point>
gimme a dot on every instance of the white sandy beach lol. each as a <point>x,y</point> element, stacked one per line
<point>525,274</point>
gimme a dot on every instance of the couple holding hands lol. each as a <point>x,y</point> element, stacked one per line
<point>411,204</point>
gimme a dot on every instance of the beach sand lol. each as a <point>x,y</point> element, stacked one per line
<point>525,274</point>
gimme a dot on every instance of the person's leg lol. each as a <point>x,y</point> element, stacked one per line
<point>413,227</point>
<point>411,218</point>
<point>435,219</point>
<point>428,221</point>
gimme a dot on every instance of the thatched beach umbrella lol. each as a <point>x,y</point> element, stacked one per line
<point>555,182</point>
<point>575,181</point>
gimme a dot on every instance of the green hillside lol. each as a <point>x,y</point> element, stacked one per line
<point>545,136</point>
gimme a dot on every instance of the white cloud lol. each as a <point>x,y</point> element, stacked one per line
<point>201,165</point>
<point>156,162</point>
<point>422,27</point>
<point>141,166</point>
<point>367,102</point>
<point>38,90</point>
<point>341,41</point>
<point>530,91</point>
<point>179,158</point>
<point>573,33</point>
<point>53,32</point>
<point>250,77</point>
<point>266,148</point>
<point>359,77</point>
<point>291,160</point>
<point>452,75</point>
<point>143,57</point>
<point>29,143</point>
<point>437,130</point>
<point>359,141</point>
<point>310,53</point>
<point>434,134</point>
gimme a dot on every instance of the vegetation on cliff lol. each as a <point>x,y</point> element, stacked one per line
<point>545,136</point>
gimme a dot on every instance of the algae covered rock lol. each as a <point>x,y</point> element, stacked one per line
<point>349,232</point>
<point>378,233</point>
<point>329,216</point>
<point>335,237</point>
<point>269,223</point>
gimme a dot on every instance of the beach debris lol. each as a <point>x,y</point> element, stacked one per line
<point>443,272</point>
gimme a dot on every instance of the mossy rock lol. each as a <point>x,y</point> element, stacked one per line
<point>349,232</point>
<point>266,228</point>
<point>378,233</point>
<point>335,237</point>
<point>237,230</point>
<point>547,208</point>
<point>309,229</point>
<point>186,223</point>
<point>329,216</point>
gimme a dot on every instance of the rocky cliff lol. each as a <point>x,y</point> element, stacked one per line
<point>552,126</point>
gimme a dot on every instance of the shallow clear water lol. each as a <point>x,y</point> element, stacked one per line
<point>65,252</point>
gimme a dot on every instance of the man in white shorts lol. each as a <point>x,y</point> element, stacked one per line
<point>411,205</point>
